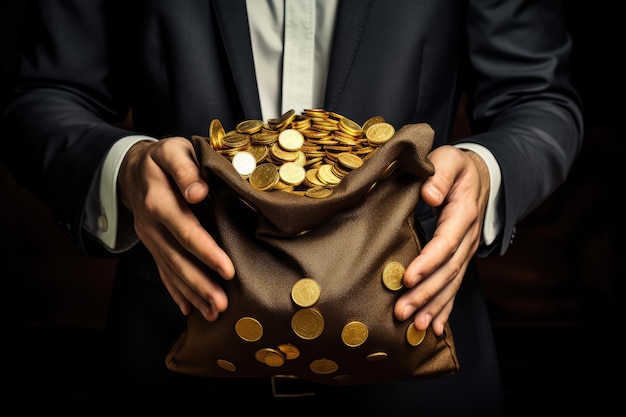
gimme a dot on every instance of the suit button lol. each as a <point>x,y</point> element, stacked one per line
<point>103,223</point>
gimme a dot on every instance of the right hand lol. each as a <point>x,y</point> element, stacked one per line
<point>157,181</point>
<point>458,192</point>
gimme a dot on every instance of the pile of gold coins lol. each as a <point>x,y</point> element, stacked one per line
<point>306,154</point>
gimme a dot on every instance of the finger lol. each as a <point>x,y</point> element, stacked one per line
<point>183,224</point>
<point>433,291</point>
<point>165,204</point>
<point>429,300</point>
<point>439,321</point>
<point>179,162</point>
<point>186,279</point>
<point>434,311</point>
<point>457,222</point>
<point>443,246</point>
<point>447,161</point>
<point>176,156</point>
<point>180,300</point>
<point>208,305</point>
<point>431,294</point>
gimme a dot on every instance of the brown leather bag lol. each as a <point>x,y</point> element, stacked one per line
<point>342,244</point>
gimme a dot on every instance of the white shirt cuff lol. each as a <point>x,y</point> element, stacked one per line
<point>492,225</point>
<point>108,218</point>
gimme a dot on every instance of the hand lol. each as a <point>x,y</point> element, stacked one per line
<point>157,181</point>
<point>459,191</point>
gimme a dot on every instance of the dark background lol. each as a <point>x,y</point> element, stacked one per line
<point>555,296</point>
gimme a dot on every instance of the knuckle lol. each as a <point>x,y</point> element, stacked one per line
<point>184,170</point>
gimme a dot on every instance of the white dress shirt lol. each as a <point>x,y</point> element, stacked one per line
<point>291,42</point>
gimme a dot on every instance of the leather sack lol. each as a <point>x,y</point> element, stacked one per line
<point>342,245</point>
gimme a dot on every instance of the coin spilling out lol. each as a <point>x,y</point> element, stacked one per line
<point>323,366</point>
<point>354,334</point>
<point>307,323</point>
<point>270,357</point>
<point>414,336</point>
<point>290,351</point>
<point>393,275</point>
<point>249,329</point>
<point>305,292</point>
<point>297,152</point>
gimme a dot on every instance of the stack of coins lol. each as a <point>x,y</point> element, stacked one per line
<point>306,154</point>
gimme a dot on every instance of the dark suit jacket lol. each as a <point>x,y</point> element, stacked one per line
<point>178,65</point>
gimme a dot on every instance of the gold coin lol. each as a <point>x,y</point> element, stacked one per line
<point>216,133</point>
<point>345,139</point>
<point>324,366</point>
<point>291,173</point>
<point>249,127</point>
<point>307,323</point>
<point>227,365</point>
<point>274,358</point>
<point>316,113</point>
<point>244,163</point>
<point>235,139</point>
<point>376,356</point>
<point>290,140</point>
<point>249,329</point>
<point>389,169</point>
<point>380,133</point>
<point>283,155</point>
<point>414,336</point>
<point>260,152</point>
<point>264,138</point>
<point>290,351</point>
<point>260,354</point>
<point>354,334</point>
<point>349,126</point>
<point>264,177</point>
<point>372,121</point>
<point>325,174</point>
<point>281,186</point>
<point>283,120</point>
<point>393,275</point>
<point>349,160</point>
<point>319,192</point>
<point>305,292</point>
<point>310,178</point>
<point>301,158</point>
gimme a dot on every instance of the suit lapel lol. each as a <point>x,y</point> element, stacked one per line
<point>351,18</point>
<point>233,24</point>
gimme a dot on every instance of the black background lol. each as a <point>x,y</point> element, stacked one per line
<point>555,296</point>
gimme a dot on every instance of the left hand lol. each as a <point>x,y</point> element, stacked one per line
<point>458,191</point>
<point>157,182</point>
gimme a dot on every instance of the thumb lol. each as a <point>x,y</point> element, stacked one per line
<point>196,191</point>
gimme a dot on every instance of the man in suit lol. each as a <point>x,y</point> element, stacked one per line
<point>125,189</point>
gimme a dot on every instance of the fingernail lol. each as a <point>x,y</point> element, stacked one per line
<point>428,319</point>
<point>195,188</point>
<point>435,193</point>
<point>190,189</point>
<point>408,310</point>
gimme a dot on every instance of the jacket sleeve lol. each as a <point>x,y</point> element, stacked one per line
<point>521,104</point>
<point>59,121</point>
